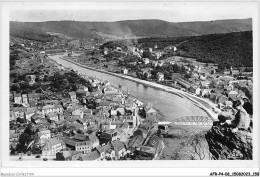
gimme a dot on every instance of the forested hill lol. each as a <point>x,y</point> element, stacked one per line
<point>231,49</point>
<point>132,28</point>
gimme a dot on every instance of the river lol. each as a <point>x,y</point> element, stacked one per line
<point>171,105</point>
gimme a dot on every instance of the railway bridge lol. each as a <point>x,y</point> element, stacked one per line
<point>193,120</point>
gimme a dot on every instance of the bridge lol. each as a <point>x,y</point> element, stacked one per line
<point>193,120</point>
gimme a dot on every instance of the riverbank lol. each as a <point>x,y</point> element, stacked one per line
<point>164,88</point>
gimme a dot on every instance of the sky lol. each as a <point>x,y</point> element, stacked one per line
<point>116,11</point>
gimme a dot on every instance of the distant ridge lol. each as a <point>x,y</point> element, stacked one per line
<point>138,28</point>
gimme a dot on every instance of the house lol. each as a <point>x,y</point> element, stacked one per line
<point>14,137</point>
<point>50,102</point>
<point>44,135</point>
<point>226,72</point>
<point>11,97</point>
<point>235,72</point>
<point>195,89</point>
<point>31,109</point>
<point>158,55</point>
<point>150,112</point>
<point>248,74</point>
<point>160,76</point>
<point>29,114</point>
<point>11,115</point>
<point>105,51</point>
<point>135,142</point>
<point>124,71</point>
<point>94,155</point>
<point>202,75</point>
<point>143,129</point>
<point>52,109</point>
<point>102,150</point>
<point>154,63</point>
<point>221,106</point>
<point>19,112</point>
<point>212,71</point>
<point>25,98</point>
<point>80,137</point>
<point>204,84</point>
<point>132,120</point>
<point>84,146</point>
<point>94,140</point>
<point>118,48</point>
<point>53,116</point>
<point>73,96</point>
<point>79,143</point>
<point>221,99</point>
<point>120,149</point>
<point>53,146</point>
<point>122,135</point>
<point>68,155</point>
<point>121,110</point>
<point>87,111</point>
<point>132,63</point>
<point>204,92</point>
<point>169,48</point>
<point>232,94</point>
<point>18,98</point>
<point>228,104</point>
<point>77,111</point>
<point>31,100</point>
<point>32,81</point>
<point>154,146</point>
<point>105,104</point>
<point>146,61</point>
<point>160,63</point>
<point>108,136</point>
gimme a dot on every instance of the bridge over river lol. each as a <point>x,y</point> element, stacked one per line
<point>193,120</point>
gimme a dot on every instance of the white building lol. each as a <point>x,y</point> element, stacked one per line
<point>53,146</point>
<point>146,61</point>
<point>124,71</point>
<point>160,76</point>
<point>52,109</point>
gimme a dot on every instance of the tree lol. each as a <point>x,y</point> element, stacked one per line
<point>16,88</point>
<point>24,140</point>
<point>36,149</point>
<point>28,131</point>
<point>12,149</point>
<point>145,76</point>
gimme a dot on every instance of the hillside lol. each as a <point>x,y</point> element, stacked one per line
<point>231,49</point>
<point>218,26</point>
<point>132,28</point>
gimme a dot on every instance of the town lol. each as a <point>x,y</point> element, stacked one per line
<point>91,120</point>
<point>59,114</point>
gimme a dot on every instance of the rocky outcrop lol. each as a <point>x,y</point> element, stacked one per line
<point>226,145</point>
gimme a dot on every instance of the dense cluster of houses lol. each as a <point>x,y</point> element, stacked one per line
<point>70,129</point>
<point>204,79</point>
